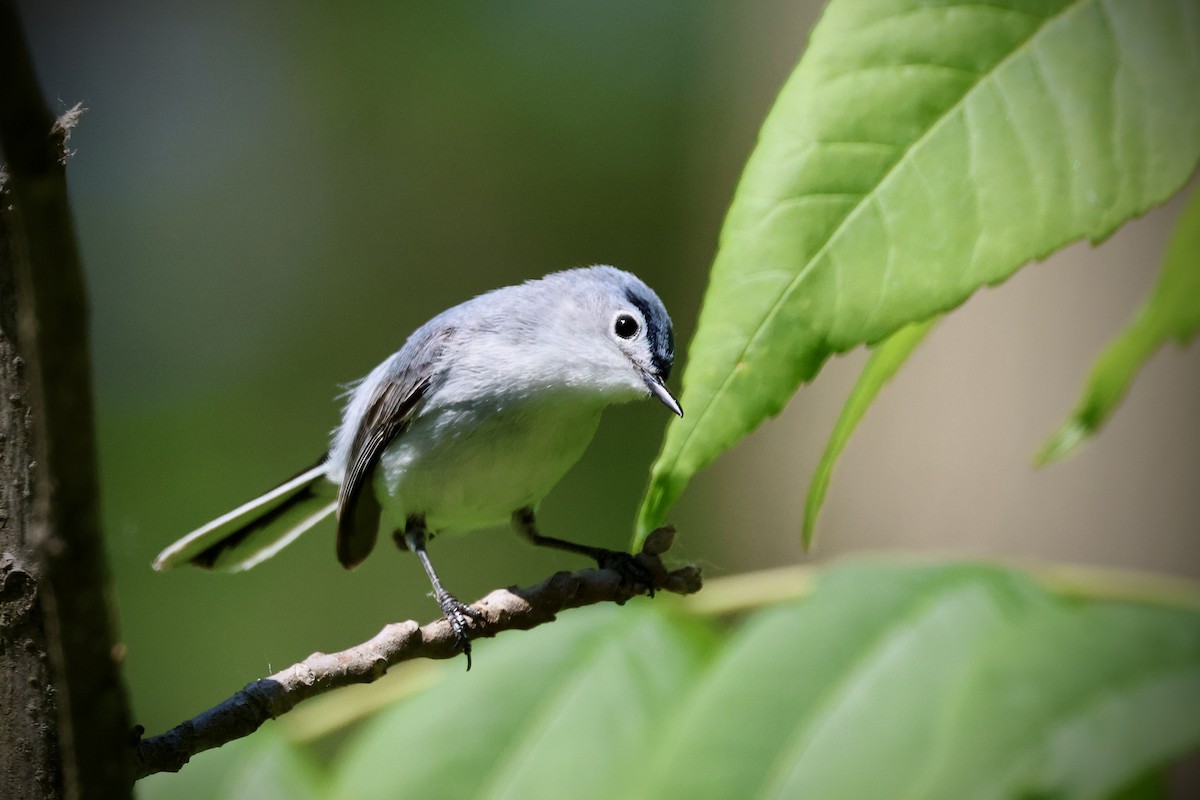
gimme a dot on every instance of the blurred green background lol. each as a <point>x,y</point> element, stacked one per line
<point>270,197</point>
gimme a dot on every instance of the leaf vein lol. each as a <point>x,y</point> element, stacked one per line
<point>1020,47</point>
<point>976,7</point>
<point>828,700</point>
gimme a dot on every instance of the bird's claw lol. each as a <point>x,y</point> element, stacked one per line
<point>459,615</point>
<point>628,567</point>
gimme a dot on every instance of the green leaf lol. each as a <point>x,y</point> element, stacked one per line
<point>1079,702</point>
<point>276,770</point>
<point>920,151</point>
<point>262,767</point>
<point>937,682</point>
<point>810,693</point>
<point>553,712</point>
<point>887,357</point>
<point>914,683</point>
<point>1171,312</point>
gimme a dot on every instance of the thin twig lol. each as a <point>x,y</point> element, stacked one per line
<point>502,610</point>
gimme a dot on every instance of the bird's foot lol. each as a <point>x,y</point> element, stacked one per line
<point>459,615</point>
<point>631,570</point>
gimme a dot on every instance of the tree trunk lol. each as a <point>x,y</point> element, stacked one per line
<point>66,730</point>
<point>28,714</point>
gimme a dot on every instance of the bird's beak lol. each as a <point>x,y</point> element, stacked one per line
<point>659,390</point>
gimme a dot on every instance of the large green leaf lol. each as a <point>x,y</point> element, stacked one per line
<point>1171,312</point>
<point>952,681</point>
<point>955,681</point>
<point>1076,703</point>
<point>554,712</point>
<point>919,151</point>
<point>887,357</point>
<point>810,693</point>
<point>939,682</point>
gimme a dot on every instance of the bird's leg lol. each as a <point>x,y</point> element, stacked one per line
<point>624,564</point>
<point>458,614</point>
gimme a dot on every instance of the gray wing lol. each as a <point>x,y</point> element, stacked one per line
<point>388,415</point>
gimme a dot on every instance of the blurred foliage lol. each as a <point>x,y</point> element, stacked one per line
<point>1171,312</point>
<point>915,155</point>
<point>954,681</point>
<point>263,767</point>
<point>886,358</point>
<point>271,196</point>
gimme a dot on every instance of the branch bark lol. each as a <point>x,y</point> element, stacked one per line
<point>502,610</point>
<point>70,581</point>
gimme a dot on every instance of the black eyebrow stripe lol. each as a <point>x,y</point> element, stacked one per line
<point>662,342</point>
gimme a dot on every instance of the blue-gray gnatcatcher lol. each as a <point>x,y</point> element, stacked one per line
<point>467,426</point>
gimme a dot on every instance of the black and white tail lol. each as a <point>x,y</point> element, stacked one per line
<point>257,530</point>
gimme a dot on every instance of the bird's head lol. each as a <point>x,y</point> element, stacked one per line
<point>621,334</point>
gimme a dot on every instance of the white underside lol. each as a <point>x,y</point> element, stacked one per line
<point>464,469</point>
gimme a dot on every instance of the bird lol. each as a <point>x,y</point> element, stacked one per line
<point>467,426</point>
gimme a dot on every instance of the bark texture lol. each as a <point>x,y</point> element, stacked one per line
<point>28,714</point>
<point>62,568</point>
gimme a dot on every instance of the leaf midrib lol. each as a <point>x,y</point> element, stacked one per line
<point>858,208</point>
<point>828,700</point>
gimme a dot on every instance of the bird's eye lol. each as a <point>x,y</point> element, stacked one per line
<point>626,326</point>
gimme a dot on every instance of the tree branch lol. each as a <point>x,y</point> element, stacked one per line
<point>502,610</point>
